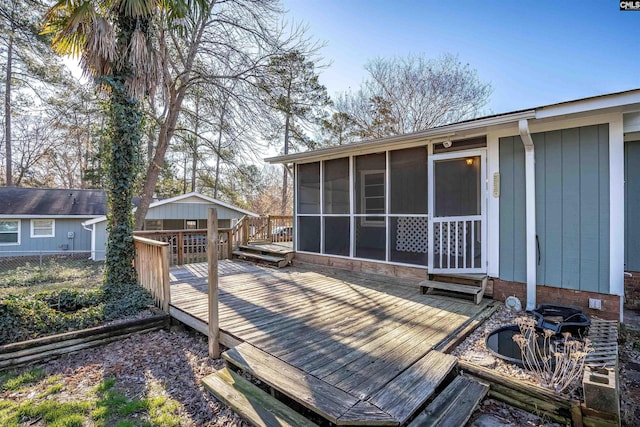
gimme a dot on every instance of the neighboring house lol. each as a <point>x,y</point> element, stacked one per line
<point>39,220</point>
<point>535,199</point>
<point>185,212</point>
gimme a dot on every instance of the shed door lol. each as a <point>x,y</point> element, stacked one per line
<point>457,234</point>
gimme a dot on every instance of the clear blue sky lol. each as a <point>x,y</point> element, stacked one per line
<point>534,52</point>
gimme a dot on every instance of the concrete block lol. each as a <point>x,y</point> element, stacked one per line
<point>600,390</point>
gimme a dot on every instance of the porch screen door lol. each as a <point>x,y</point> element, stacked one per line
<point>457,232</point>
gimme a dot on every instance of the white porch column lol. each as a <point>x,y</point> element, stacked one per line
<point>530,197</point>
<point>616,210</point>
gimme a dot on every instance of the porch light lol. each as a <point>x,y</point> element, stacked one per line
<point>470,161</point>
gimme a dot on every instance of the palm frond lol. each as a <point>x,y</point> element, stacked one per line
<point>137,8</point>
<point>99,50</point>
<point>140,60</point>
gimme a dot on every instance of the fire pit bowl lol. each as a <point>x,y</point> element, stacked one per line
<point>560,318</point>
<point>500,343</point>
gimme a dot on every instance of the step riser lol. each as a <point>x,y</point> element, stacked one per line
<point>454,406</point>
<point>462,280</point>
<point>453,289</point>
<point>252,403</point>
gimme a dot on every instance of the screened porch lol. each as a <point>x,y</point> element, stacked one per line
<point>421,206</point>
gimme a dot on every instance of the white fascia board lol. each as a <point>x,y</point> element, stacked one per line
<point>95,220</point>
<point>403,141</point>
<point>590,104</point>
<point>631,122</point>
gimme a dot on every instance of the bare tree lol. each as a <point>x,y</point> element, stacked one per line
<point>231,40</point>
<point>403,95</point>
<point>28,61</point>
<point>35,145</point>
<point>77,119</point>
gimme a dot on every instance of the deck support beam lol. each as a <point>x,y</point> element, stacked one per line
<point>212,258</point>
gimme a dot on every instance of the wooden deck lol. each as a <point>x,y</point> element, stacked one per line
<point>353,331</point>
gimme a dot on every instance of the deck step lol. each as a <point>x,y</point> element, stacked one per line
<point>477,292</point>
<point>408,391</point>
<point>250,402</point>
<point>461,278</point>
<point>454,406</point>
<point>329,402</point>
<point>276,260</point>
<point>273,249</point>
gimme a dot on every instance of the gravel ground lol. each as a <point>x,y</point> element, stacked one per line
<point>172,363</point>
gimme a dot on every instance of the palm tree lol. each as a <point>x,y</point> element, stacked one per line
<point>112,38</point>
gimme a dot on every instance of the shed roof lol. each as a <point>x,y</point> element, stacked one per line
<point>30,202</point>
<point>205,199</point>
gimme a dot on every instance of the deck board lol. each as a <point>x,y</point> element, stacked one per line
<point>357,332</point>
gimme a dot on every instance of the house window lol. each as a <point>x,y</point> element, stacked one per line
<point>10,232</point>
<point>372,193</point>
<point>190,224</point>
<point>43,228</point>
<point>152,224</point>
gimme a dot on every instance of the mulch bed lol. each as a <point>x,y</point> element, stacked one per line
<point>168,363</point>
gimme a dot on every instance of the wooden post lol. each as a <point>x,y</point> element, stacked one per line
<point>212,256</point>
<point>166,290</point>
<point>245,230</point>
<point>229,244</point>
<point>180,244</point>
<point>269,228</point>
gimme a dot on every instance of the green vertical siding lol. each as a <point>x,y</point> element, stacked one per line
<point>512,210</point>
<point>572,208</point>
<point>190,211</point>
<point>632,206</point>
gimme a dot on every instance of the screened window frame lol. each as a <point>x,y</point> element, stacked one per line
<point>33,228</point>
<point>352,215</point>
<point>18,232</point>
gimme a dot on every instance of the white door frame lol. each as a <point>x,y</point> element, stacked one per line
<point>482,153</point>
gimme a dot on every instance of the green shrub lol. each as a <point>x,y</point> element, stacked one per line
<point>25,316</point>
<point>126,304</point>
<point>30,316</point>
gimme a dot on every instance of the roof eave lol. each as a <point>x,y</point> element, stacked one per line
<point>442,132</point>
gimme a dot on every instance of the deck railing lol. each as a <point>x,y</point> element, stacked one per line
<point>152,266</point>
<point>190,246</point>
<point>268,228</point>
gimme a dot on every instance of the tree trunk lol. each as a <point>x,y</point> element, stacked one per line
<point>177,93</point>
<point>285,177</point>
<point>125,123</point>
<point>194,148</point>
<point>155,167</point>
<point>219,147</point>
<point>184,173</point>
<point>7,108</point>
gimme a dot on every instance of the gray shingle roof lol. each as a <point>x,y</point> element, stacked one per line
<point>47,201</point>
